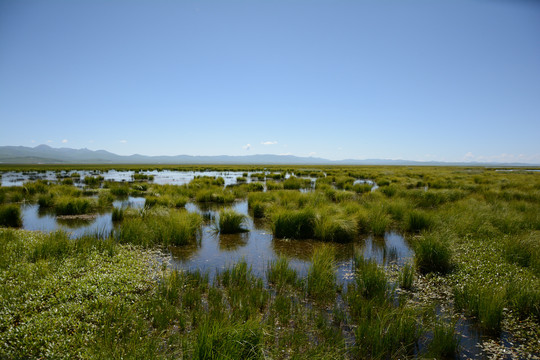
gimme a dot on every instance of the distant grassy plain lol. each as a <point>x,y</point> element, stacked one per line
<point>475,233</point>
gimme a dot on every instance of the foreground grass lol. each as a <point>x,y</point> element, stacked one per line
<point>96,299</point>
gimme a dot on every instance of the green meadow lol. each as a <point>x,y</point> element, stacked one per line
<point>474,232</point>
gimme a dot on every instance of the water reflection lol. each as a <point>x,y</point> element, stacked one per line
<point>35,218</point>
<point>258,247</point>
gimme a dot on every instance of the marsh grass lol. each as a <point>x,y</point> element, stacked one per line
<point>406,277</point>
<point>170,228</point>
<point>524,299</point>
<point>417,221</point>
<point>334,228</point>
<point>280,275</point>
<point>370,278</point>
<point>432,254</point>
<point>10,215</point>
<point>294,224</point>
<point>524,250</point>
<point>387,334</point>
<point>215,195</point>
<point>445,342</point>
<point>321,278</point>
<point>230,222</point>
<point>117,214</point>
<point>485,304</point>
<point>66,205</point>
<point>229,341</point>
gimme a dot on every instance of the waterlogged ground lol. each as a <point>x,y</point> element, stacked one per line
<point>505,207</point>
<point>173,177</point>
<point>216,252</point>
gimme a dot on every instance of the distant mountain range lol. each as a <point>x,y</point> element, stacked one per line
<point>44,154</point>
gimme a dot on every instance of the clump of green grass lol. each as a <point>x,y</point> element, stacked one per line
<point>373,220</point>
<point>321,278</point>
<point>417,220</point>
<point>118,214</point>
<point>294,224</point>
<point>386,334</point>
<point>370,278</point>
<point>432,255</point>
<point>524,250</point>
<point>67,205</point>
<point>217,340</point>
<point>92,181</point>
<point>484,303</point>
<point>259,209</point>
<point>255,186</point>
<point>334,228</point>
<point>292,183</point>
<point>46,200</point>
<point>10,215</point>
<point>216,195</point>
<point>230,222</point>
<point>55,245</point>
<point>171,228</point>
<point>280,274</point>
<point>406,277</point>
<point>120,190</point>
<point>445,343</point>
<point>105,200</point>
<point>524,299</point>
<point>273,185</point>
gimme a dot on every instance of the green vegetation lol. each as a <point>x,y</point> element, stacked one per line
<point>230,222</point>
<point>432,255</point>
<point>10,215</point>
<point>160,227</point>
<point>474,232</point>
<point>321,279</point>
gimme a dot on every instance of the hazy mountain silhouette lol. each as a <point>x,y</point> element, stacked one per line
<point>44,154</point>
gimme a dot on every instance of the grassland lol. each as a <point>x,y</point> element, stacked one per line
<point>475,234</point>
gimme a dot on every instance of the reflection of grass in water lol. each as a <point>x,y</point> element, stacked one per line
<point>231,242</point>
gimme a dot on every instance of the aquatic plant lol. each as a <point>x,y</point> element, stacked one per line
<point>230,222</point>
<point>432,255</point>
<point>10,215</point>
<point>484,303</point>
<point>280,275</point>
<point>406,277</point>
<point>294,224</point>
<point>445,342</point>
<point>65,205</point>
<point>334,227</point>
<point>321,278</point>
<point>118,214</point>
<point>370,278</point>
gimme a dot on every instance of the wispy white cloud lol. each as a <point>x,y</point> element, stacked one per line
<point>91,141</point>
<point>246,147</point>
<point>285,154</point>
<point>50,141</point>
<point>64,141</point>
<point>312,153</point>
<point>123,141</point>
<point>33,141</point>
<point>269,142</point>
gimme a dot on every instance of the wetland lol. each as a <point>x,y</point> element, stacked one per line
<point>269,262</point>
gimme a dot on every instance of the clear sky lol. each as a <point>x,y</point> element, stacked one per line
<point>419,80</point>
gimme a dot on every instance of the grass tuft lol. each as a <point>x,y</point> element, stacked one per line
<point>230,222</point>
<point>10,215</point>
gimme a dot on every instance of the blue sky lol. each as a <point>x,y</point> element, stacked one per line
<point>419,80</point>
